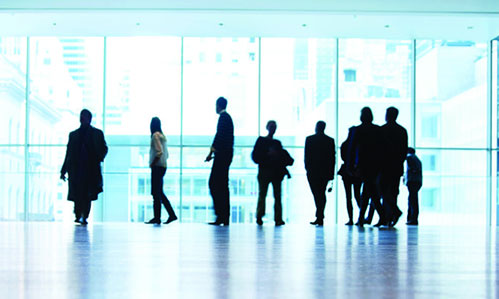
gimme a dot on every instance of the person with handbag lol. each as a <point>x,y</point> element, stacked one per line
<point>320,159</point>
<point>272,160</point>
<point>351,178</point>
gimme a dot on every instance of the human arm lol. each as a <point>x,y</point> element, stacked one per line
<point>65,165</point>
<point>101,146</point>
<point>307,153</point>
<point>333,164</point>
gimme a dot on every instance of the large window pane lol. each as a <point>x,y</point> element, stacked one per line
<point>66,75</point>
<point>12,186</point>
<point>215,67</point>
<point>451,94</point>
<point>298,86</point>
<point>143,81</point>
<point>454,187</point>
<point>374,73</point>
<point>297,199</point>
<point>47,193</point>
<point>12,90</point>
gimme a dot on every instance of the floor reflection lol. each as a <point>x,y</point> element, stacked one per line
<point>52,260</point>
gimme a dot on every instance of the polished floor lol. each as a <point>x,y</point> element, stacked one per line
<point>56,260</point>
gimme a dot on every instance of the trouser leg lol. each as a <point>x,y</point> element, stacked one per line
<point>367,192</point>
<point>212,184</point>
<point>224,192</point>
<point>370,214</point>
<point>276,185</point>
<point>263,186</point>
<point>348,193</point>
<point>413,213</point>
<point>390,190</point>
<point>168,206</point>
<point>86,206</point>
<point>318,186</point>
<point>357,185</point>
<point>219,186</point>
<point>157,174</point>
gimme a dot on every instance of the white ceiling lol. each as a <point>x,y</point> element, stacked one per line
<point>393,19</point>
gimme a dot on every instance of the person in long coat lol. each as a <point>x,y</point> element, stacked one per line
<point>85,152</point>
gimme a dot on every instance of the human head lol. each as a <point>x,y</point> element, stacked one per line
<point>85,117</point>
<point>221,104</point>
<point>320,127</point>
<point>391,114</point>
<point>271,127</point>
<point>156,125</point>
<point>366,115</point>
<point>411,151</point>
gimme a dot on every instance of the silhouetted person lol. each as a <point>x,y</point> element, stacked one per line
<point>158,154</point>
<point>350,179</point>
<point>366,145</point>
<point>85,151</point>
<point>394,154</point>
<point>414,181</point>
<point>320,158</point>
<point>222,150</point>
<point>268,154</point>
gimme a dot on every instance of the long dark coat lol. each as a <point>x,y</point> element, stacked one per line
<point>85,151</point>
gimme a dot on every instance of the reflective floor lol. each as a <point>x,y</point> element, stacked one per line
<point>55,260</point>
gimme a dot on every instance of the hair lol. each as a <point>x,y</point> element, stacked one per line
<point>86,114</point>
<point>391,114</point>
<point>366,115</point>
<point>222,102</point>
<point>411,150</point>
<point>271,122</point>
<point>156,125</point>
<point>320,127</point>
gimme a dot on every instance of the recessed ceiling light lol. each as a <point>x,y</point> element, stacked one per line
<point>469,27</point>
<point>138,23</point>
<point>304,25</point>
<point>387,26</point>
<point>220,24</point>
<point>54,24</point>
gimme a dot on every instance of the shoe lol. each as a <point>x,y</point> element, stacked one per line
<point>279,223</point>
<point>349,223</point>
<point>84,222</point>
<point>170,219</point>
<point>381,223</point>
<point>153,221</point>
<point>317,222</point>
<point>368,221</point>
<point>219,222</point>
<point>77,220</point>
<point>259,221</point>
<point>396,219</point>
<point>360,222</point>
<point>412,223</point>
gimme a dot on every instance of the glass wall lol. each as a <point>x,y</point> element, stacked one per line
<point>439,87</point>
<point>451,129</point>
<point>13,57</point>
